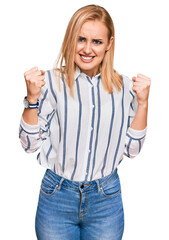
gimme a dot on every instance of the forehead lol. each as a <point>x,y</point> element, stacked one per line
<point>94,28</point>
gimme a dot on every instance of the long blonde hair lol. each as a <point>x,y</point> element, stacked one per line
<point>110,78</point>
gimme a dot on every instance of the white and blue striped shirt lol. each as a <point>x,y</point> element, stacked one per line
<point>85,137</point>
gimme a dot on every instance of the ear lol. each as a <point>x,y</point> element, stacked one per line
<point>110,43</point>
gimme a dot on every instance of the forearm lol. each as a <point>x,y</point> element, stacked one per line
<point>140,120</point>
<point>30,116</point>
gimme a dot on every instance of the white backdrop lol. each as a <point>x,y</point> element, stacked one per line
<point>31,35</point>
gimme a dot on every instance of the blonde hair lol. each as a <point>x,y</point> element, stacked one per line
<point>110,77</point>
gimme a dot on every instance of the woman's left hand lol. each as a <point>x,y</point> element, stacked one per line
<point>141,86</point>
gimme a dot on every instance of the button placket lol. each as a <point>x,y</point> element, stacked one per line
<point>91,128</point>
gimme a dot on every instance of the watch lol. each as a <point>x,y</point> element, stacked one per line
<point>29,105</point>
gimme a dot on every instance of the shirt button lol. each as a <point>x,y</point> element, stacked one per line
<point>89,150</point>
<point>91,128</point>
<point>93,106</point>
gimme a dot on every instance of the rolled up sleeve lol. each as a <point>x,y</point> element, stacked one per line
<point>29,136</point>
<point>134,142</point>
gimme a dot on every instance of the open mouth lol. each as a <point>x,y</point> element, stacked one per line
<point>86,58</point>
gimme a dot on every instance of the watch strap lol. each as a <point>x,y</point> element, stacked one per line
<point>32,106</point>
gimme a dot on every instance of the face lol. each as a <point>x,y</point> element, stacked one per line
<point>91,46</point>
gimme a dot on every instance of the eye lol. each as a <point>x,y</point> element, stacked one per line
<point>81,39</point>
<point>97,42</point>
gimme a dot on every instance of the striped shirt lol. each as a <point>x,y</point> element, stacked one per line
<point>85,137</point>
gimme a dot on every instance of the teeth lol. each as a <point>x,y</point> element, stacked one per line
<point>86,58</point>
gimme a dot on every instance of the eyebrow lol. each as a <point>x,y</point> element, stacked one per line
<point>99,39</point>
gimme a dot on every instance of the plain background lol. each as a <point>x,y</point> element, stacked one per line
<point>31,35</point>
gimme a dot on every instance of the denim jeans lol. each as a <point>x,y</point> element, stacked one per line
<point>71,210</point>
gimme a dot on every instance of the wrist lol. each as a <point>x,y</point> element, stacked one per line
<point>32,100</point>
<point>143,105</point>
<point>30,104</point>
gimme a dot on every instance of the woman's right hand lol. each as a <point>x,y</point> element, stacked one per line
<point>34,82</point>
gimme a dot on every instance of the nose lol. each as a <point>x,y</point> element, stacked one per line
<point>87,48</point>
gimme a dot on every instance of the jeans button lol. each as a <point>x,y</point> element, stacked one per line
<point>82,186</point>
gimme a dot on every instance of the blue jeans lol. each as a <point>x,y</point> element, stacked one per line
<point>71,210</point>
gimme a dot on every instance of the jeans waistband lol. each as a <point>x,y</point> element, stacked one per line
<point>98,183</point>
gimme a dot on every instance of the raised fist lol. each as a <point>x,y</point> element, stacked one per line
<point>34,82</point>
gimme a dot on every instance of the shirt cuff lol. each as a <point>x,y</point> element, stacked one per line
<point>29,128</point>
<point>137,134</point>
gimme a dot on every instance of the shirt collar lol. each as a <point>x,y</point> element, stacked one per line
<point>78,72</point>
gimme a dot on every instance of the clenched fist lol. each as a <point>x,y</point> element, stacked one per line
<point>34,82</point>
<point>141,86</point>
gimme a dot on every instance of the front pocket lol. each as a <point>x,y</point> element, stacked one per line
<point>111,189</point>
<point>48,186</point>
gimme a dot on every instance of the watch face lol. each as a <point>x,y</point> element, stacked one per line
<point>26,103</point>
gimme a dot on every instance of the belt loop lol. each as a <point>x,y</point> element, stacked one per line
<point>98,186</point>
<point>60,184</point>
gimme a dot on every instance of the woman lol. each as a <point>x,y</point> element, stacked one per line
<point>88,118</point>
